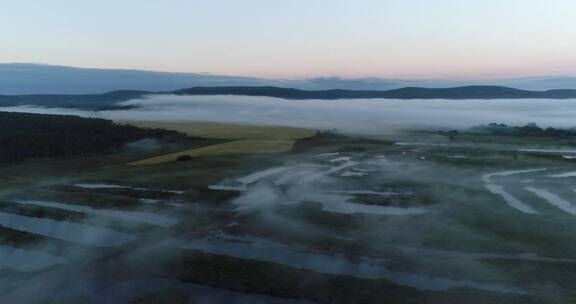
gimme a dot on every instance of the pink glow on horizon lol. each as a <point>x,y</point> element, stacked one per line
<point>477,72</point>
<point>416,39</point>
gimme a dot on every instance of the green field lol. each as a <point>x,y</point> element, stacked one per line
<point>227,131</point>
<point>247,139</point>
<point>247,146</point>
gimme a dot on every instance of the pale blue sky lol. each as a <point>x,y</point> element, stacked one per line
<point>298,38</point>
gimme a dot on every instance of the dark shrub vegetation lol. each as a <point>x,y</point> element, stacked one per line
<point>37,136</point>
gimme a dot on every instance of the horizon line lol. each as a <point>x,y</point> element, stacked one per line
<point>323,76</point>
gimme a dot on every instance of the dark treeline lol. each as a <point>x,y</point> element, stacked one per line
<point>38,136</point>
<point>467,92</point>
<point>112,100</point>
<point>529,130</point>
<point>96,102</point>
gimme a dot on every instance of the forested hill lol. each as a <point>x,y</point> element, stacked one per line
<point>111,100</point>
<point>39,136</point>
<point>469,92</point>
<point>105,101</point>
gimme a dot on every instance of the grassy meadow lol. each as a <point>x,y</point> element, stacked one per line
<point>226,131</point>
<point>247,146</point>
<point>326,218</point>
<point>245,139</point>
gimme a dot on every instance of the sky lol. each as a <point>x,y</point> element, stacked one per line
<point>414,39</point>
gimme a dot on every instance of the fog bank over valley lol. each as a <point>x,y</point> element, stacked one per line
<point>366,116</point>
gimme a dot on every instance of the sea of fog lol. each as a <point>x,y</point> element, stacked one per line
<point>348,115</point>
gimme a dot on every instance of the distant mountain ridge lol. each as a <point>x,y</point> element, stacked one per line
<point>111,100</point>
<point>466,92</point>
<point>104,101</point>
<point>26,79</point>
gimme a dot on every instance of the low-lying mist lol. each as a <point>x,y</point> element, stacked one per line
<point>348,115</point>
